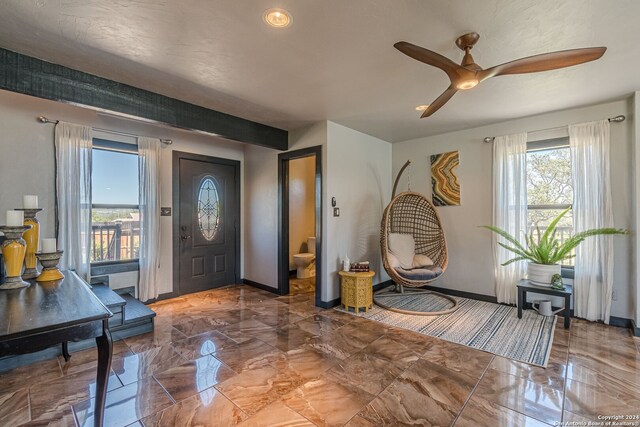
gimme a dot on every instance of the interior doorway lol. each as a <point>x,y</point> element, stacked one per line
<point>288,281</point>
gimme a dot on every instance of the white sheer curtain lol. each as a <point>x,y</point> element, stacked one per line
<point>509,209</point>
<point>593,283</point>
<point>73,189</point>
<point>149,173</point>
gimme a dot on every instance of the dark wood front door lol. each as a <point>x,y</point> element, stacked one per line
<point>208,222</point>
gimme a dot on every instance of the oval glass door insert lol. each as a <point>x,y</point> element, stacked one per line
<point>208,208</point>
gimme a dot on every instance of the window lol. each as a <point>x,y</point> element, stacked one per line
<point>549,186</point>
<point>208,208</point>
<point>115,214</point>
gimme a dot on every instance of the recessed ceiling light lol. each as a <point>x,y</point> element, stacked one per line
<point>277,18</point>
<point>422,107</point>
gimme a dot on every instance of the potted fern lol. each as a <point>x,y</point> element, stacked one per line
<point>545,251</point>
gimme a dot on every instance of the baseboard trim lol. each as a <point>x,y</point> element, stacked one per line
<point>621,322</point>
<point>260,286</point>
<point>328,304</point>
<point>382,285</point>
<point>635,330</point>
<point>161,297</point>
<point>462,294</point>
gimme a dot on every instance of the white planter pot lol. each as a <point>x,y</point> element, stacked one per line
<point>541,274</point>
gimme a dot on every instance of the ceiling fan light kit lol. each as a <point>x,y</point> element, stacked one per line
<point>467,84</point>
<point>468,74</point>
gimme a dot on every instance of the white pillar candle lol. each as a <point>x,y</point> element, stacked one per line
<point>49,246</point>
<point>30,202</point>
<point>15,218</point>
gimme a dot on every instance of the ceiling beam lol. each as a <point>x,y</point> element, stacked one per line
<point>35,77</point>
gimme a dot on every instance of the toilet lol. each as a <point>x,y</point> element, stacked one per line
<point>306,262</point>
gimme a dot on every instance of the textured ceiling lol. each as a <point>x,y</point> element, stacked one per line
<point>337,61</point>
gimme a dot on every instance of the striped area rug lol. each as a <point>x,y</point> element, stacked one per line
<point>486,326</point>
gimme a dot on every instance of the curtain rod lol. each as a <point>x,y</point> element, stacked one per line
<point>616,119</point>
<point>43,119</point>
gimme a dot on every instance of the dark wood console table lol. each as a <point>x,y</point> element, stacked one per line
<point>48,314</point>
<point>525,286</point>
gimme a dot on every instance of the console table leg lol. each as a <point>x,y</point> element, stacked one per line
<point>567,312</point>
<point>65,351</point>
<point>105,347</point>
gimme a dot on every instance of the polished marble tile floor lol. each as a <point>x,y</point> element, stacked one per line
<point>301,286</point>
<point>242,356</point>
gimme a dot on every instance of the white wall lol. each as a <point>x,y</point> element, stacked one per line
<point>302,205</point>
<point>356,170</point>
<point>470,256</point>
<point>27,162</point>
<point>261,201</point>
<point>360,180</point>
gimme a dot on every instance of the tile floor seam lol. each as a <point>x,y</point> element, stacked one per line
<point>376,357</point>
<point>196,394</point>
<point>473,390</point>
<point>13,412</point>
<point>234,403</point>
<point>384,389</point>
<point>533,382</point>
<point>566,377</point>
<point>518,412</point>
<point>74,418</point>
<point>29,400</point>
<point>75,415</point>
<point>164,389</point>
<point>306,418</point>
<point>59,366</point>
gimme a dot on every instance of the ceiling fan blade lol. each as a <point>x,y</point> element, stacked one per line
<point>544,62</point>
<point>439,102</point>
<point>429,57</point>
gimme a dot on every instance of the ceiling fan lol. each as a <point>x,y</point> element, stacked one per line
<point>468,74</point>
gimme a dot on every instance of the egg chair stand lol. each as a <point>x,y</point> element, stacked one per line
<point>412,213</point>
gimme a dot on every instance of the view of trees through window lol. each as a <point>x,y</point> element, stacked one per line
<point>115,214</point>
<point>550,190</point>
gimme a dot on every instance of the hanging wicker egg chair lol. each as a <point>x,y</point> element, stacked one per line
<point>413,214</point>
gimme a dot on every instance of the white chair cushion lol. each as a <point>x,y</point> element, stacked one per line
<point>421,261</point>
<point>394,262</point>
<point>403,247</point>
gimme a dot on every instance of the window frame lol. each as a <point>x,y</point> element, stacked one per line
<point>545,145</point>
<point>122,265</point>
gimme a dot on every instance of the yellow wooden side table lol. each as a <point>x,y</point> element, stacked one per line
<point>356,290</point>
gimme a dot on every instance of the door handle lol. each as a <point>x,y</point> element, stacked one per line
<point>183,237</point>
